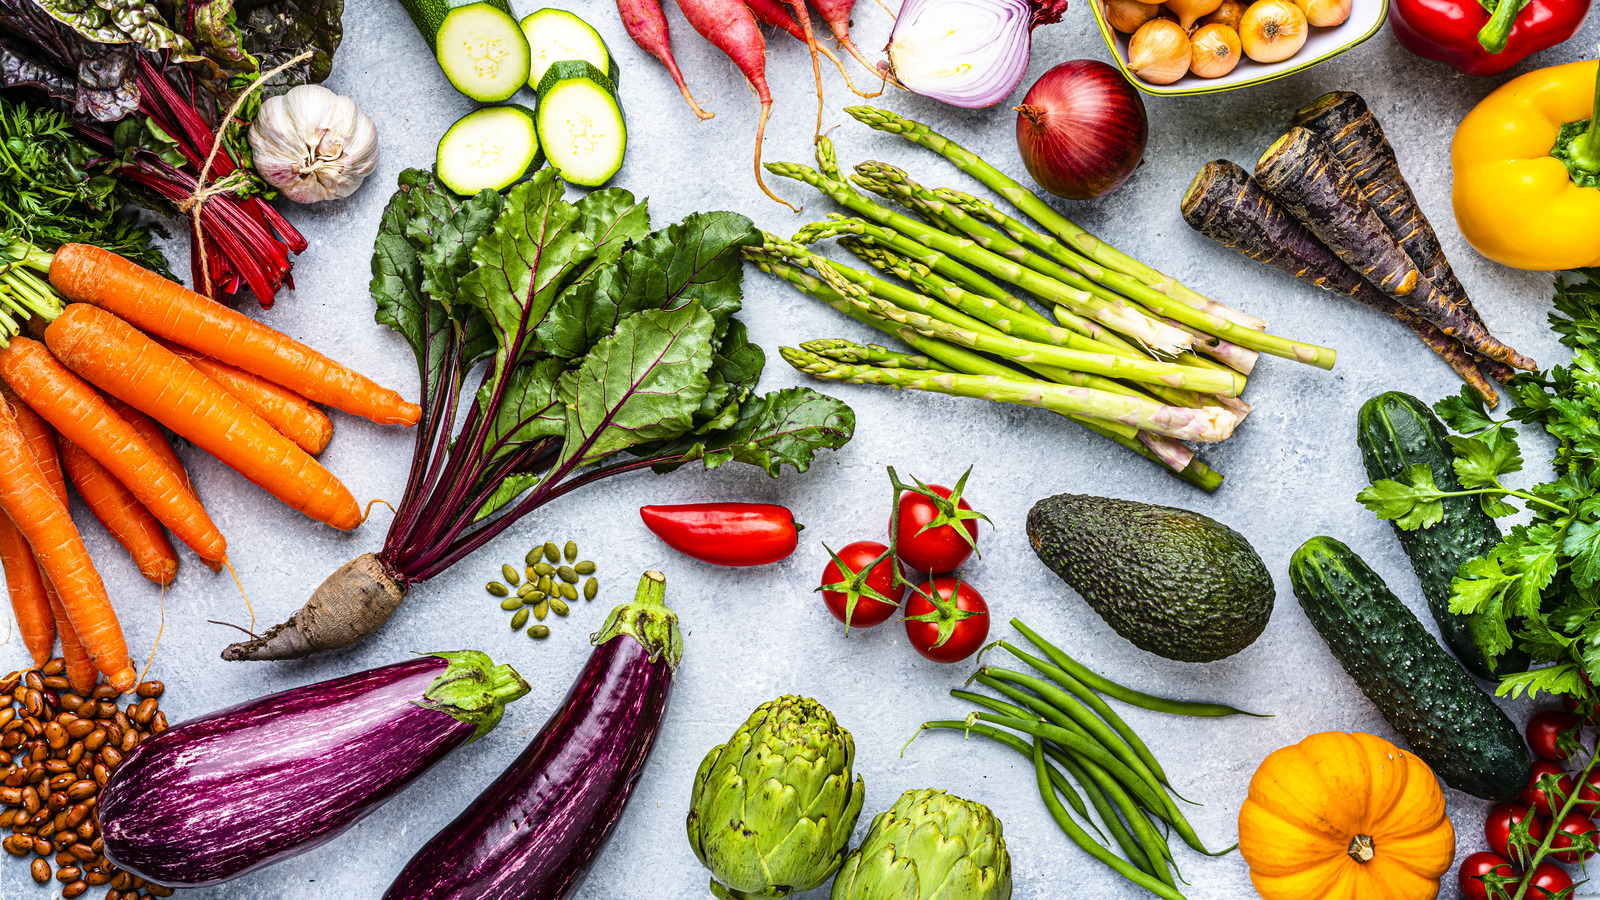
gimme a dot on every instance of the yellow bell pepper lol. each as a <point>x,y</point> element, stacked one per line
<point>1515,202</point>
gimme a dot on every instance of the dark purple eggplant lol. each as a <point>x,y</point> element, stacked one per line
<point>533,834</point>
<point>218,796</point>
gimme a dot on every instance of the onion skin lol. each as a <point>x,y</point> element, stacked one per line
<point>1082,129</point>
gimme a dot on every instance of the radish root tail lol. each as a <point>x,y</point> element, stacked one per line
<point>850,83</point>
<point>761,133</point>
<point>683,88</point>
<point>803,16</point>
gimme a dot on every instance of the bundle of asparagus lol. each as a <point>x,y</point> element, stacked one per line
<point>1328,203</point>
<point>1132,354</point>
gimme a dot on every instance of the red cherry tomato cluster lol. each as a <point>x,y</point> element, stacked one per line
<point>1513,830</point>
<point>932,530</point>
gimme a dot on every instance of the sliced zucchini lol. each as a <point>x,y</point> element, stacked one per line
<point>428,15</point>
<point>580,123</point>
<point>555,34</point>
<point>482,51</point>
<point>490,148</point>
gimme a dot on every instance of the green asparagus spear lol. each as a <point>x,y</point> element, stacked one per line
<point>869,354</point>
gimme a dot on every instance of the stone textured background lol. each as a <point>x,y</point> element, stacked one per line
<point>1293,470</point>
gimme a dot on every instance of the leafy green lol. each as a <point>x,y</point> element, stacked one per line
<point>610,348</point>
<point>1546,573</point>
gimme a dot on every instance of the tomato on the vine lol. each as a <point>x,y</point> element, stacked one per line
<point>934,529</point>
<point>1533,795</point>
<point>1497,830</point>
<point>1477,865</point>
<point>872,590</point>
<point>1571,705</point>
<point>1589,793</point>
<point>1564,847</point>
<point>1548,880</point>
<point>948,630</point>
<point>1544,732</point>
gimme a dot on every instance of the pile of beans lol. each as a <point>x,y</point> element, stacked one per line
<point>57,750</point>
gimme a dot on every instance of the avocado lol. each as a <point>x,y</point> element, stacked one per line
<point>1173,582</point>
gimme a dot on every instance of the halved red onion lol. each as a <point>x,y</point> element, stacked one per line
<point>968,53</point>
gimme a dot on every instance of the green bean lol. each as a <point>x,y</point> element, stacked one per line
<point>1125,694</point>
<point>1081,838</point>
<point>1079,745</point>
<point>1018,744</point>
<point>1051,696</point>
<point>1093,701</point>
<point>1108,814</point>
<point>1154,846</point>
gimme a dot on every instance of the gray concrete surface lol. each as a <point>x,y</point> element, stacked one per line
<point>1293,470</point>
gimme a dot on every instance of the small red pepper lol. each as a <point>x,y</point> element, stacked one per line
<point>1464,34</point>
<point>725,534</point>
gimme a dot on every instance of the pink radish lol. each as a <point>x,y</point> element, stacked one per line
<point>648,27</point>
<point>771,12</point>
<point>837,14</point>
<point>731,27</point>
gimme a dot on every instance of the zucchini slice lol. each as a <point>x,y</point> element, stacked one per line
<point>482,52</point>
<point>580,123</point>
<point>555,34</point>
<point>428,15</point>
<point>490,148</point>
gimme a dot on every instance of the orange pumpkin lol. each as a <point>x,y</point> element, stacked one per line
<point>1345,817</point>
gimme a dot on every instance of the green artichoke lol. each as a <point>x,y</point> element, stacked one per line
<point>773,808</point>
<point>929,846</point>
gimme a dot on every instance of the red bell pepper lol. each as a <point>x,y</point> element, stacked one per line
<point>1466,36</point>
<point>725,534</point>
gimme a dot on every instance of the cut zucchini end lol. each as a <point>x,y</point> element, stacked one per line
<point>554,35</point>
<point>491,148</point>
<point>483,52</point>
<point>581,129</point>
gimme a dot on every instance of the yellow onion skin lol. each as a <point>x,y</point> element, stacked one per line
<point>1082,129</point>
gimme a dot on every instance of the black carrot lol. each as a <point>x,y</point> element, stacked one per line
<point>1225,204</point>
<point>1300,172</point>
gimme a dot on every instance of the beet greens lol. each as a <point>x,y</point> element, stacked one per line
<point>605,348</point>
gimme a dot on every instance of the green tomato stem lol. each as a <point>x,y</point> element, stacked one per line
<point>1550,834</point>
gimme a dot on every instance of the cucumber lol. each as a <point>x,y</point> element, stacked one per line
<point>482,51</point>
<point>555,34</point>
<point>1397,431</point>
<point>1451,724</point>
<point>491,148</point>
<point>580,123</point>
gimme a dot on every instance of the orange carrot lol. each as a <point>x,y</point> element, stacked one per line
<point>295,417</point>
<point>83,417</point>
<point>43,520</point>
<point>156,439</point>
<point>117,358</point>
<point>122,515</point>
<point>81,671</point>
<point>41,440</point>
<point>29,602</point>
<point>169,310</point>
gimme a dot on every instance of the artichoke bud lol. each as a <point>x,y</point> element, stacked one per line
<point>929,845</point>
<point>773,809</point>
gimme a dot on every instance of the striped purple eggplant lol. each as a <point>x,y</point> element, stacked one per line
<point>533,834</point>
<point>218,796</point>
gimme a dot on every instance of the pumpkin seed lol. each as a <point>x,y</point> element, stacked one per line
<point>539,632</point>
<point>572,550</point>
<point>544,568</point>
<point>527,589</point>
<point>540,610</point>
<point>568,591</point>
<point>590,588</point>
<point>510,603</point>
<point>497,589</point>
<point>533,597</point>
<point>534,555</point>
<point>559,606</point>
<point>567,574</point>
<point>510,573</point>
<point>519,620</point>
<point>547,585</point>
<point>584,568</point>
<point>552,553</point>
<point>530,574</point>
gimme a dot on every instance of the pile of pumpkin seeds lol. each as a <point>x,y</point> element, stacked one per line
<point>547,584</point>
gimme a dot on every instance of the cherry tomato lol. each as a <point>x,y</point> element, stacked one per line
<point>1571,704</point>
<point>1574,824</point>
<point>869,610</point>
<point>1476,865</point>
<point>1589,793</point>
<point>1497,830</point>
<point>1544,731</point>
<point>1533,795</point>
<point>1548,880</point>
<point>942,548</point>
<point>966,635</point>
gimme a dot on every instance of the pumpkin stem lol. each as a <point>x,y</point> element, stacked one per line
<point>1361,849</point>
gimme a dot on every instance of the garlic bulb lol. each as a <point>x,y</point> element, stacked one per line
<point>312,144</point>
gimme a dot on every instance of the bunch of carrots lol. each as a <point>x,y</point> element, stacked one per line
<point>732,27</point>
<point>85,398</point>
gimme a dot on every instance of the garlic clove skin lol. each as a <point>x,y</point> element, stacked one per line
<point>313,145</point>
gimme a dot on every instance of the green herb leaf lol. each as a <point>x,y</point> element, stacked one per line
<point>1464,412</point>
<point>1412,504</point>
<point>1480,461</point>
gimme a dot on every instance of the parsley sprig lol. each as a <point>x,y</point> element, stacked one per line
<point>1539,589</point>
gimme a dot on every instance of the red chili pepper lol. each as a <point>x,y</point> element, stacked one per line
<point>1465,36</point>
<point>725,534</point>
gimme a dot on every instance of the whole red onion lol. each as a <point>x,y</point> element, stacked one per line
<point>1081,129</point>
